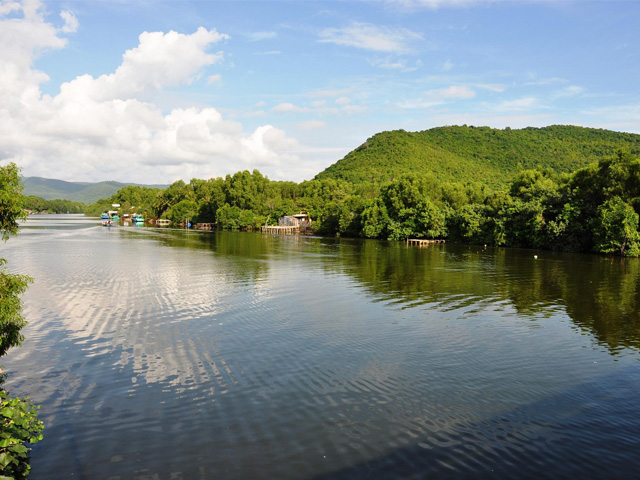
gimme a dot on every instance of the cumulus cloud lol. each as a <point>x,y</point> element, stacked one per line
<point>160,60</point>
<point>371,37</point>
<point>106,127</point>
<point>70,22</point>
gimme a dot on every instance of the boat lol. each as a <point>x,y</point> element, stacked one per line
<point>135,218</point>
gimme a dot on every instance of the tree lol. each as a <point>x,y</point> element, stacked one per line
<point>11,285</point>
<point>616,228</point>
<point>19,423</point>
<point>11,201</point>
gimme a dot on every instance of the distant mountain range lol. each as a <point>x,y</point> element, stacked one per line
<point>84,192</point>
<point>482,154</point>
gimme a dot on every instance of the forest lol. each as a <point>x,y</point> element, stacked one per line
<point>593,208</point>
<point>40,205</point>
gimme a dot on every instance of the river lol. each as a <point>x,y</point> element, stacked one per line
<point>172,354</point>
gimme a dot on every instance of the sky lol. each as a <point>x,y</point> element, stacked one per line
<point>154,91</point>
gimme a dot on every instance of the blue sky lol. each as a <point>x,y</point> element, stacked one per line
<point>155,91</point>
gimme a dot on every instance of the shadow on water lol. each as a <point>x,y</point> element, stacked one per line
<point>552,438</point>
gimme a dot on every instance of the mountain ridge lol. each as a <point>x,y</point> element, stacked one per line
<point>84,192</point>
<point>482,154</point>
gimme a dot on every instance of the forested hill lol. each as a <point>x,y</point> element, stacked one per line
<point>487,155</point>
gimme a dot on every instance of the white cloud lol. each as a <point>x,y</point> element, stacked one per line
<point>106,127</point>
<point>312,125</point>
<point>353,109</point>
<point>524,103</point>
<point>626,117</point>
<point>570,91</point>
<point>288,108</point>
<point>439,96</point>
<point>545,81</point>
<point>328,93</point>
<point>371,37</point>
<point>215,79</point>
<point>492,87</point>
<point>70,21</point>
<point>389,64</point>
<point>343,100</point>
<point>454,92</point>
<point>447,66</point>
<point>259,36</point>
<point>160,60</point>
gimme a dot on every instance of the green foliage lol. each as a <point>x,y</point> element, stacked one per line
<point>375,219</point>
<point>37,204</point>
<point>616,228</point>
<point>11,201</point>
<point>19,426</point>
<point>19,422</point>
<point>11,320</point>
<point>477,154</point>
<point>182,212</point>
<point>472,223</point>
<point>11,285</point>
<point>132,199</point>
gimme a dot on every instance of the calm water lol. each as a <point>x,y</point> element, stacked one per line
<point>165,354</point>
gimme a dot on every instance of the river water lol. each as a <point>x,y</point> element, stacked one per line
<point>171,354</point>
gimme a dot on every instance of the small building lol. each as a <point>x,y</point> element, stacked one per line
<point>290,225</point>
<point>301,220</point>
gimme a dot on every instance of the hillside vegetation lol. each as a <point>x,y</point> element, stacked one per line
<point>487,155</point>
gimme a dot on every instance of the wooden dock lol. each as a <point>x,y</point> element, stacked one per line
<point>204,226</point>
<point>278,230</point>
<point>422,242</point>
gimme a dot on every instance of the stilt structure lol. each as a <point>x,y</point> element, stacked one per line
<point>422,242</point>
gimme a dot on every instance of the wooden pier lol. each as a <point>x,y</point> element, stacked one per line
<point>204,226</point>
<point>281,230</point>
<point>422,242</point>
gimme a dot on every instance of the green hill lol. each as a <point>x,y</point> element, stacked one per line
<point>84,192</point>
<point>488,155</point>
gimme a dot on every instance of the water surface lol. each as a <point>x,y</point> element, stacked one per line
<point>172,354</point>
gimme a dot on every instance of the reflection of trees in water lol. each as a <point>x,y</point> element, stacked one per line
<point>237,251</point>
<point>601,295</point>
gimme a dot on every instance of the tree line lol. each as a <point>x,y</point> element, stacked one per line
<point>40,205</point>
<point>593,209</point>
